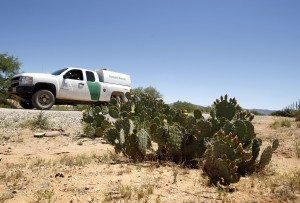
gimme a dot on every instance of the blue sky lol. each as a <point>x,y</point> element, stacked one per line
<point>192,50</point>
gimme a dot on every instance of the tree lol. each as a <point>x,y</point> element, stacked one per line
<point>182,105</point>
<point>151,91</point>
<point>9,66</point>
<point>138,90</point>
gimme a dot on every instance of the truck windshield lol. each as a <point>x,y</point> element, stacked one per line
<point>58,72</point>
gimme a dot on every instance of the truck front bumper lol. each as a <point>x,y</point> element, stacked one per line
<point>22,93</point>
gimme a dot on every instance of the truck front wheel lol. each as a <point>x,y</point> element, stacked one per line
<point>43,99</point>
<point>26,105</point>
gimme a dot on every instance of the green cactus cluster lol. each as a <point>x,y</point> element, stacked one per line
<point>220,169</point>
<point>95,121</point>
<point>225,108</point>
<point>224,150</point>
<point>127,139</point>
<point>249,166</point>
<point>225,142</point>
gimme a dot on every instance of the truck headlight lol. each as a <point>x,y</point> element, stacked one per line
<point>25,80</point>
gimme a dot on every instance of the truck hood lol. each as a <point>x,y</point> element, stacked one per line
<point>40,75</point>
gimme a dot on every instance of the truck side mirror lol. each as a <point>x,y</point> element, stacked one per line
<point>64,76</point>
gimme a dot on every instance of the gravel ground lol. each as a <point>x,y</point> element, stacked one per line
<point>58,119</point>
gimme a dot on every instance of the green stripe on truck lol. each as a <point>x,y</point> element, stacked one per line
<point>94,89</point>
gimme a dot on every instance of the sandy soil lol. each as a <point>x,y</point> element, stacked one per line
<point>69,168</point>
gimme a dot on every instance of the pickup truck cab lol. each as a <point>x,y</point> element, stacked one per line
<point>69,86</point>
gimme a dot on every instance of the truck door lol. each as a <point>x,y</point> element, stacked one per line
<point>94,87</point>
<point>73,86</point>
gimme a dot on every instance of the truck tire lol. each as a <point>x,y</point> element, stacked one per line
<point>26,105</point>
<point>43,99</point>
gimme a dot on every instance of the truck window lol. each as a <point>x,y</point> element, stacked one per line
<point>58,72</point>
<point>90,76</point>
<point>74,74</point>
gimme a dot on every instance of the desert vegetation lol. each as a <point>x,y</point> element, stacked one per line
<point>146,151</point>
<point>225,143</point>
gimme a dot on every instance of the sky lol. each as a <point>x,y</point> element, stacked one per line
<point>189,50</point>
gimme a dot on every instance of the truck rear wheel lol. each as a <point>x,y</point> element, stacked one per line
<point>43,99</point>
<point>26,105</point>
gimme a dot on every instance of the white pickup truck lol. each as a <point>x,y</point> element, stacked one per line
<point>68,86</point>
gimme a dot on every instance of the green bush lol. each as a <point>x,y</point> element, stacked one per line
<point>297,115</point>
<point>189,107</point>
<point>9,66</point>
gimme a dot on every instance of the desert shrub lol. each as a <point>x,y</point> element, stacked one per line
<point>286,186</point>
<point>189,107</point>
<point>78,160</point>
<point>283,113</point>
<point>45,195</point>
<point>297,115</point>
<point>286,123</point>
<point>275,124</point>
<point>256,113</point>
<point>297,146</point>
<point>39,122</point>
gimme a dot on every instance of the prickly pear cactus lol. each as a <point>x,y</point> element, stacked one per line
<point>253,164</point>
<point>143,141</point>
<point>222,156</point>
<point>89,130</point>
<point>114,112</point>
<point>219,169</point>
<point>226,141</point>
<point>266,155</point>
<point>226,109</point>
<point>94,121</point>
<point>130,147</point>
<point>198,114</point>
<point>174,141</point>
<point>244,130</point>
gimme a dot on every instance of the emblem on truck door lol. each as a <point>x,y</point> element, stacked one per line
<point>94,89</point>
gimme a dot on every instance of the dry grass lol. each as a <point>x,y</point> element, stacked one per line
<point>297,146</point>
<point>286,186</point>
<point>129,193</point>
<point>44,195</point>
<point>39,122</point>
<point>283,123</point>
<point>286,123</point>
<point>275,124</point>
